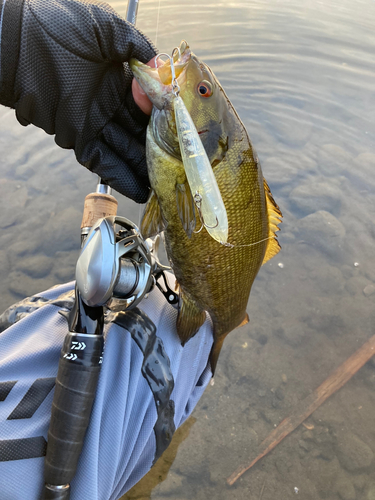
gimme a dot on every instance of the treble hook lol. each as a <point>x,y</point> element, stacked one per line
<point>198,203</point>
<point>179,53</point>
<point>159,55</point>
<point>175,85</point>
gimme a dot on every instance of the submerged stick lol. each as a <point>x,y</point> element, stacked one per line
<point>334,382</point>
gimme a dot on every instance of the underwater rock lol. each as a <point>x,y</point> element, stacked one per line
<point>323,231</point>
<point>354,455</point>
<point>13,198</point>
<point>321,224</point>
<point>36,266</point>
<point>370,274</point>
<point>287,237</point>
<point>369,290</point>
<point>328,279</point>
<point>360,482</point>
<point>293,334</point>
<point>24,286</point>
<point>309,196</point>
<point>24,172</point>
<point>65,265</point>
<point>344,488</point>
<point>364,166</point>
<point>4,263</point>
<point>370,493</point>
<point>357,284</point>
<point>270,416</point>
<point>62,231</point>
<point>348,271</point>
<point>323,474</point>
<point>324,441</point>
<point>280,171</point>
<point>334,160</point>
<point>305,445</point>
<point>283,466</point>
<point>308,435</point>
<point>291,131</point>
<point>252,415</point>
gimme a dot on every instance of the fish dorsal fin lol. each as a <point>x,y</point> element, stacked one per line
<point>190,318</point>
<point>274,219</point>
<point>152,220</point>
<point>185,208</point>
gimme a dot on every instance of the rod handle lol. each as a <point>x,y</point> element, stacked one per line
<point>76,384</point>
<point>97,206</point>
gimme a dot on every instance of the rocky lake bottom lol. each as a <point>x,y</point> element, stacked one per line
<point>300,75</point>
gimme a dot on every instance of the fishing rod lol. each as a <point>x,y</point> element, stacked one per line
<point>116,269</point>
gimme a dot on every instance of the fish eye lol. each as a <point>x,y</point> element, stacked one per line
<point>205,88</point>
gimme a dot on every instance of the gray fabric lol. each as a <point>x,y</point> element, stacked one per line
<point>120,444</point>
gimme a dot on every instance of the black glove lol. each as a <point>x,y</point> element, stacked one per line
<point>62,69</point>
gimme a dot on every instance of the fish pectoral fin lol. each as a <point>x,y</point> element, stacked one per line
<point>152,220</point>
<point>190,318</point>
<point>186,208</point>
<point>274,219</point>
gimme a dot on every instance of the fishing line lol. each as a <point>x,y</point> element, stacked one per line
<point>230,245</point>
<point>157,25</point>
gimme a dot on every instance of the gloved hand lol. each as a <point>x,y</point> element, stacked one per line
<point>62,69</point>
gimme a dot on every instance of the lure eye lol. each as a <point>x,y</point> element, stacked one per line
<point>205,89</point>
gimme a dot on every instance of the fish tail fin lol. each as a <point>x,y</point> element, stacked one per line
<point>274,219</point>
<point>190,318</point>
<point>215,352</point>
<point>218,343</point>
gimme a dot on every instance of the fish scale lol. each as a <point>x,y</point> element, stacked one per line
<point>212,277</point>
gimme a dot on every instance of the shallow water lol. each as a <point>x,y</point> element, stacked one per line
<point>301,76</point>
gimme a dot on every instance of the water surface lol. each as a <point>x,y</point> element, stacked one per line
<point>301,76</point>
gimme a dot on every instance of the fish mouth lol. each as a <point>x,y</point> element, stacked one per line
<point>157,82</point>
<point>203,131</point>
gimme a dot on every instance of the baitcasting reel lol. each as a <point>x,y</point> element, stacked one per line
<point>118,269</point>
<point>114,269</point>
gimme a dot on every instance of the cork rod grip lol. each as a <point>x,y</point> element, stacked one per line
<point>97,206</point>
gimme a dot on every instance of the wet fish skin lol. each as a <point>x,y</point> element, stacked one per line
<point>212,277</point>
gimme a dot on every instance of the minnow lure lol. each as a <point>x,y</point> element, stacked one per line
<point>199,173</point>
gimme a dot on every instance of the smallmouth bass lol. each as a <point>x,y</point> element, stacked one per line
<point>212,277</point>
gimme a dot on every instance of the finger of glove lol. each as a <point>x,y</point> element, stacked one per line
<point>127,148</point>
<point>100,159</point>
<point>120,40</point>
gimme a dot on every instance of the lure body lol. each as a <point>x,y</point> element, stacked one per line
<point>200,176</point>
